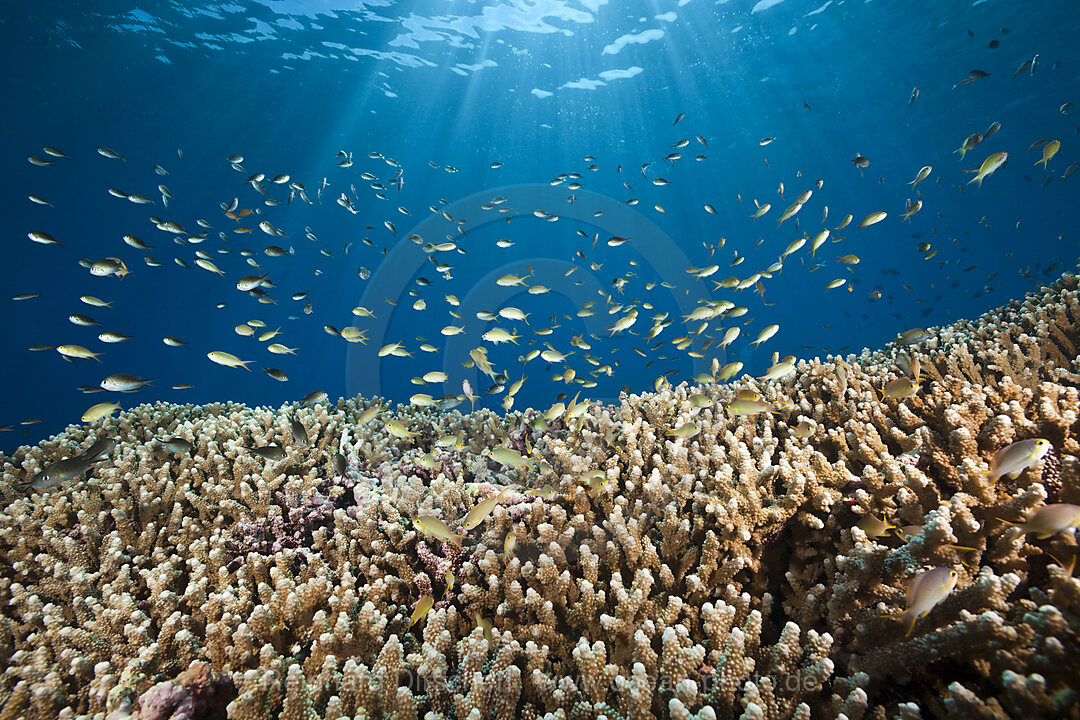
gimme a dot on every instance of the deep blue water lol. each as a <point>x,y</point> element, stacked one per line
<point>537,87</point>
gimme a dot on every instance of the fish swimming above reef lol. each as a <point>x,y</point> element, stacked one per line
<point>1014,459</point>
<point>924,593</point>
<point>1049,520</point>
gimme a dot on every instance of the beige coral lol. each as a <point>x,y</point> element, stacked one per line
<point>721,576</point>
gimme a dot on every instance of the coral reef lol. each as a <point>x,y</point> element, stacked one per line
<point>722,576</point>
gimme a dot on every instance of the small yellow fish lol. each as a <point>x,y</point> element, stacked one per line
<point>398,430</point>
<point>900,388</point>
<point>988,167</point>
<point>1014,459</point>
<point>228,359</point>
<point>77,351</point>
<point>99,411</point>
<point>481,510</point>
<point>436,528</point>
<point>873,219</point>
<point>804,429</point>
<point>765,334</point>
<point>924,173</point>
<point>596,480</point>
<point>499,335</point>
<point>685,431</point>
<point>511,280</point>
<point>487,626</point>
<point>778,370</point>
<point>744,406</point>
<point>729,371</point>
<point>450,441</point>
<point>874,527</point>
<point>1049,151</point>
<point>928,589</point>
<point>1050,520</point>
<point>911,210</point>
<point>510,457</point>
<point>424,604</point>
<point>449,580</point>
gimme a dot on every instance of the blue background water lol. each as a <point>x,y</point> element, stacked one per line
<point>536,86</point>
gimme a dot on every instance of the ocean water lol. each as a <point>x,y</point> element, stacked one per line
<point>548,91</point>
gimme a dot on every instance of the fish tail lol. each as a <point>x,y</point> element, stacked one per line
<point>243,364</point>
<point>908,618</point>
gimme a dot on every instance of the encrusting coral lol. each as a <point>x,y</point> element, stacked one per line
<point>725,575</point>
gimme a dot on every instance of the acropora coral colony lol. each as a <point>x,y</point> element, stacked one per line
<point>744,572</point>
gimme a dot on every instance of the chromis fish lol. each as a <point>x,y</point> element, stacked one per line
<point>268,452</point>
<point>988,167</point>
<point>398,430</point>
<point>765,334</point>
<point>685,431</point>
<point>546,492</point>
<point>449,579</point>
<point>481,622</point>
<point>228,359</point>
<point>1014,459</point>
<point>314,398</point>
<point>77,351</point>
<point>99,411</point>
<point>510,457</point>
<point>1049,520</point>
<point>729,371</point>
<point>596,480</point>
<point>925,591</point>
<point>62,471</point>
<point>914,336</point>
<point>924,173</point>
<point>122,382</point>
<point>481,510</point>
<point>699,400</point>
<point>873,219</point>
<point>450,441</point>
<point>423,605</point>
<point>1049,151</point>
<point>902,387</point>
<point>177,445</point>
<point>299,432</point>
<point>778,370</point>
<point>873,526</point>
<point>748,406</point>
<point>436,528</point>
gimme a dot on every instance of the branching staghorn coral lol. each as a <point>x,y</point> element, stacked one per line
<point>725,575</point>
